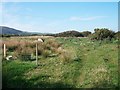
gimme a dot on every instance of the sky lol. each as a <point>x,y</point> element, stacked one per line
<point>54,17</point>
<point>60,0</point>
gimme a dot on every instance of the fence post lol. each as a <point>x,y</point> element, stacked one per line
<point>36,54</point>
<point>4,51</point>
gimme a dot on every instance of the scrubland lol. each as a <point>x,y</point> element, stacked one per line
<point>63,62</point>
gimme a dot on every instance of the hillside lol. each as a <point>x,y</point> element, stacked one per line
<point>11,31</point>
<point>69,34</point>
<point>7,30</point>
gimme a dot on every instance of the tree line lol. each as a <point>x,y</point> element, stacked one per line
<point>98,34</point>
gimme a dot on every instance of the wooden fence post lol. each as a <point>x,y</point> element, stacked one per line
<point>36,54</point>
<point>4,51</point>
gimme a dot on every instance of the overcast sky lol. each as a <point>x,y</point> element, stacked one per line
<point>53,17</point>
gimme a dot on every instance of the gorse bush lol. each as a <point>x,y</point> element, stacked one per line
<point>101,34</point>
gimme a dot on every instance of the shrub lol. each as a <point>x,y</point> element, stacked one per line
<point>117,35</point>
<point>31,45</point>
<point>24,53</point>
<point>11,45</point>
<point>86,33</point>
<point>46,53</point>
<point>40,50</point>
<point>65,57</point>
<point>12,48</point>
<point>23,48</point>
<point>101,34</point>
<point>59,50</point>
<point>25,56</point>
<point>53,43</point>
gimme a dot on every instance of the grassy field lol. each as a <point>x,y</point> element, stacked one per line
<point>86,64</point>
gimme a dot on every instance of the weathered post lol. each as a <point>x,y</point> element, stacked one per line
<point>36,53</point>
<point>39,40</point>
<point>4,51</point>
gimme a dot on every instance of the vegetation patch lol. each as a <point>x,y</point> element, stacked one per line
<point>63,62</point>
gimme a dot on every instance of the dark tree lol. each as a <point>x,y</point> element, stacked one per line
<point>101,34</point>
<point>86,33</point>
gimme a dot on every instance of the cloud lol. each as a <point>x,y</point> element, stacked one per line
<point>86,19</point>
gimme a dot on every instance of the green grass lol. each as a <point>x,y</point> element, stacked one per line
<point>13,73</point>
<point>93,65</point>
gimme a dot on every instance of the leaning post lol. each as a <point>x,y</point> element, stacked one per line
<point>36,53</point>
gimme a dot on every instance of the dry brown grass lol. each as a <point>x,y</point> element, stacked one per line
<point>65,56</point>
<point>26,47</point>
<point>53,43</point>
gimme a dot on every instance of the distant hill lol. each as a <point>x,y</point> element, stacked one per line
<point>72,33</point>
<point>7,30</point>
<point>11,31</point>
